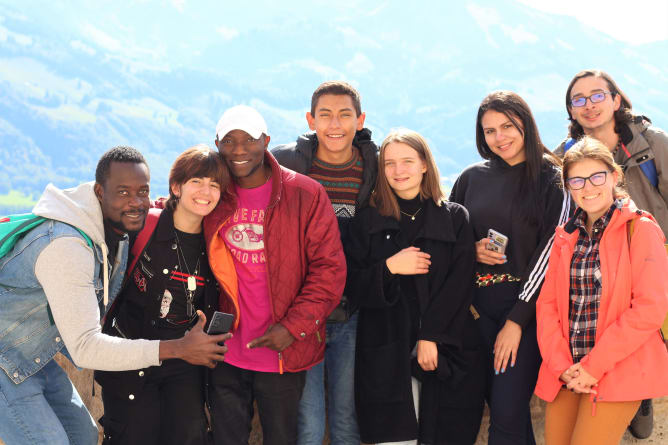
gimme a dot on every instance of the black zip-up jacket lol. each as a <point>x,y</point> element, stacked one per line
<point>492,193</point>
<point>299,155</point>
<point>154,259</point>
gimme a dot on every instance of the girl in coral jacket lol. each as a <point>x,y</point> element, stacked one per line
<point>601,307</point>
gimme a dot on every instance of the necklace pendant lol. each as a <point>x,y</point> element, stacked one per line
<point>190,310</point>
<point>412,218</point>
<point>192,283</point>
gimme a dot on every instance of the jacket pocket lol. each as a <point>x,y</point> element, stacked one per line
<point>384,373</point>
<point>113,431</point>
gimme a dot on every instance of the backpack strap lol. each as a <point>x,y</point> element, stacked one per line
<point>142,240</point>
<point>143,237</point>
<point>569,143</point>
<point>630,226</point>
<point>648,167</point>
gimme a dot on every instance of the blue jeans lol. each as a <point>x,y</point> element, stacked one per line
<point>44,408</point>
<point>340,365</point>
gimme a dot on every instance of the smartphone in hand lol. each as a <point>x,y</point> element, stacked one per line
<point>221,323</point>
<point>498,241</point>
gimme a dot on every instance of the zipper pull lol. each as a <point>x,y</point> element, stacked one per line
<point>280,363</point>
<point>317,330</point>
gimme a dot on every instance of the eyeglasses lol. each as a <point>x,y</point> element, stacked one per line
<point>594,98</point>
<point>578,182</point>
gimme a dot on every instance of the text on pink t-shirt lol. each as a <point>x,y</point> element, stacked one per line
<point>243,234</point>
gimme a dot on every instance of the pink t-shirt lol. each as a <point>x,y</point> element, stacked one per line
<point>243,234</point>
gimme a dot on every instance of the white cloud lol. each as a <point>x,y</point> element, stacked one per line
<point>485,18</point>
<point>21,39</point>
<point>359,64</point>
<point>543,93</point>
<point>66,113</point>
<point>426,109</point>
<point>31,79</point>
<point>291,121</point>
<point>145,108</point>
<point>102,39</point>
<point>312,65</point>
<point>356,40</point>
<point>630,79</point>
<point>626,21</point>
<point>227,33</point>
<point>376,10</point>
<point>452,75</point>
<point>136,58</point>
<point>79,45</point>
<point>518,34</point>
<point>179,5</point>
<point>564,45</point>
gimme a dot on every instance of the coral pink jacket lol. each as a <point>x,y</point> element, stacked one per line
<point>629,357</point>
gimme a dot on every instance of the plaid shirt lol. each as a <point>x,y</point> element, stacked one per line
<point>585,285</point>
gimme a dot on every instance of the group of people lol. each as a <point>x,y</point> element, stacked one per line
<point>353,283</point>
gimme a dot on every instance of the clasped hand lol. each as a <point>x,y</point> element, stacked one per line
<point>409,261</point>
<point>577,379</point>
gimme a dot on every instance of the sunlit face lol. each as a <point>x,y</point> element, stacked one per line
<point>124,196</point>
<point>404,169</point>
<point>503,138</point>
<point>335,122</point>
<point>595,200</point>
<point>244,155</point>
<point>197,196</point>
<point>594,116</point>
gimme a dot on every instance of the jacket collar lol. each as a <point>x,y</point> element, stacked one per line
<point>435,226</point>
<point>631,134</point>
<point>307,145</point>
<point>626,210</point>
<point>229,201</point>
<point>165,229</point>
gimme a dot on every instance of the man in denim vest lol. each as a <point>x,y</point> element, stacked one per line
<point>54,287</point>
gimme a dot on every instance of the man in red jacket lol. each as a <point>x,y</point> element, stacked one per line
<point>275,248</point>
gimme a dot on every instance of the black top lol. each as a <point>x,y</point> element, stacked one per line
<point>153,301</point>
<point>111,239</point>
<point>493,193</point>
<point>409,230</point>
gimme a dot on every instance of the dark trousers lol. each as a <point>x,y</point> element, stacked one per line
<point>168,410</point>
<point>508,394</point>
<point>232,391</point>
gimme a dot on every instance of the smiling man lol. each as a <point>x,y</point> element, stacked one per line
<point>281,232</point>
<point>597,107</point>
<point>54,285</point>
<point>340,154</point>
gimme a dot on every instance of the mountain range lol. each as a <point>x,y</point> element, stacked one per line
<point>77,78</point>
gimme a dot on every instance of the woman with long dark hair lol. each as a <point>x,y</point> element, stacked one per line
<point>169,284</point>
<point>515,203</point>
<point>601,307</point>
<point>410,262</point>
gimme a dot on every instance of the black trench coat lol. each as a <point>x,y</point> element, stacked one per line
<point>451,398</point>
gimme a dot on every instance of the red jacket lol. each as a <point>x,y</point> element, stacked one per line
<point>305,262</point>
<point>629,357</point>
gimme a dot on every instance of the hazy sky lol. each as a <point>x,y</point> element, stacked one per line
<point>629,21</point>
